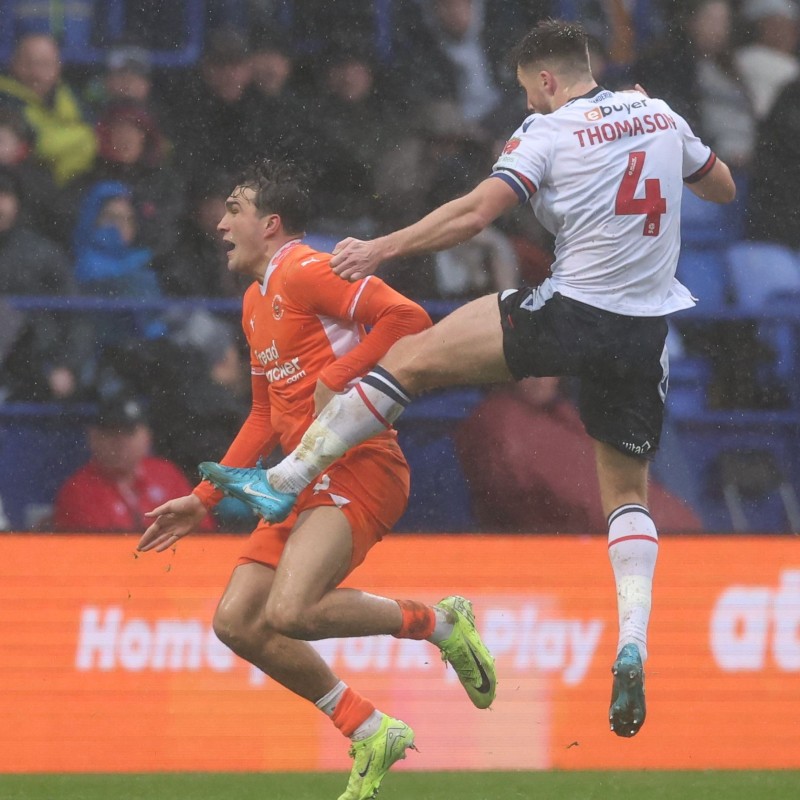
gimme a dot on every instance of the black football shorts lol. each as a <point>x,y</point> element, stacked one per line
<point>620,361</point>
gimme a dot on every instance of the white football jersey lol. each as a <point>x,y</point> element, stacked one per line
<point>604,174</point>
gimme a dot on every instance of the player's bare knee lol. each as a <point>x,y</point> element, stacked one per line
<point>230,631</point>
<point>290,619</point>
<point>406,362</point>
<point>236,631</point>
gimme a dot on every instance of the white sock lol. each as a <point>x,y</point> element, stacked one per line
<point>633,549</point>
<point>369,726</point>
<point>369,408</point>
<point>327,703</point>
<point>443,627</point>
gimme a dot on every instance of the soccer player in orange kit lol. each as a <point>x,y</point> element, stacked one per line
<point>306,331</point>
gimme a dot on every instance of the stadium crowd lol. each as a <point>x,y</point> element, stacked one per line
<point>113,176</point>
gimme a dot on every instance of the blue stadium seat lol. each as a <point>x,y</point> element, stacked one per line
<point>688,380</point>
<point>323,242</point>
<point>765,280</point>
<point>384,30</point>
<point>760,272</point>
<point>440,498</point>
<point>645,16</point>
<point>704,271</point>
<point>81,26</point>
<point>40,445</point>
<point>710,439</point>
<point>177,31</point>
<point>705,224</point>
<point>86,28</point>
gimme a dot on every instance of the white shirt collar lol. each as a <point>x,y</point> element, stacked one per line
<point>274,261</point>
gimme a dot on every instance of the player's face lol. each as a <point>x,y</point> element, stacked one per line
<point>530,79</point>
<point>243,232</point>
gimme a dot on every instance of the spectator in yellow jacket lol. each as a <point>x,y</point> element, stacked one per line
<point>64,141</point>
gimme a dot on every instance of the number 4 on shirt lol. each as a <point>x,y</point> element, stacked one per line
<point>652,205</point>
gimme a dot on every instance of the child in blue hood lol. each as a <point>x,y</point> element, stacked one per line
<point>107,262</point>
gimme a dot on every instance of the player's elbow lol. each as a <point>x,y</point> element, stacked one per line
<point>408,318</point>
<point>728,193</point>
<point>725,184</point>
<point>418,319</point>
<point>721,193</point>
<point>718,186</point>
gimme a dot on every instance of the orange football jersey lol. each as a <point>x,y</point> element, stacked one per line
<point>305,323</point>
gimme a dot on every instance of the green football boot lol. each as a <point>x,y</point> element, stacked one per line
<point>373,756</point>
<point>465,651</point>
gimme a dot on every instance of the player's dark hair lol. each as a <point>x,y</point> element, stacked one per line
<point>281,187</point>
<point>553,40</point>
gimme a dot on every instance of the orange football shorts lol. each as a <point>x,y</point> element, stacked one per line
<point>373,477</point>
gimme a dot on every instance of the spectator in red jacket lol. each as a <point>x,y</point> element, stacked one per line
<point>122,480</point>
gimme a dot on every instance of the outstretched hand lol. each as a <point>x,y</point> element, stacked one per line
<point>172,521</point>
<point>354,259</point>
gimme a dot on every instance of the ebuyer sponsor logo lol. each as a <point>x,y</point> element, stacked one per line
<point>523,637</point>
<point>751,623</point>
<point>596,114</point>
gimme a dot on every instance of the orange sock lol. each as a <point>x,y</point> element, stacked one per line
<point>419,620</point>
<point>351,711</point>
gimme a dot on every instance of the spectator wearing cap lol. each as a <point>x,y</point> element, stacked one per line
<point>132,150</point>
<point>127,77</point>
<point>122,480</point>
<point>769,62</point>
<point>209,118</point>
<point>64,140</point>
<point>197,376</point>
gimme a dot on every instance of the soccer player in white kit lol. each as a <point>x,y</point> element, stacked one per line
<point>604,172</point>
